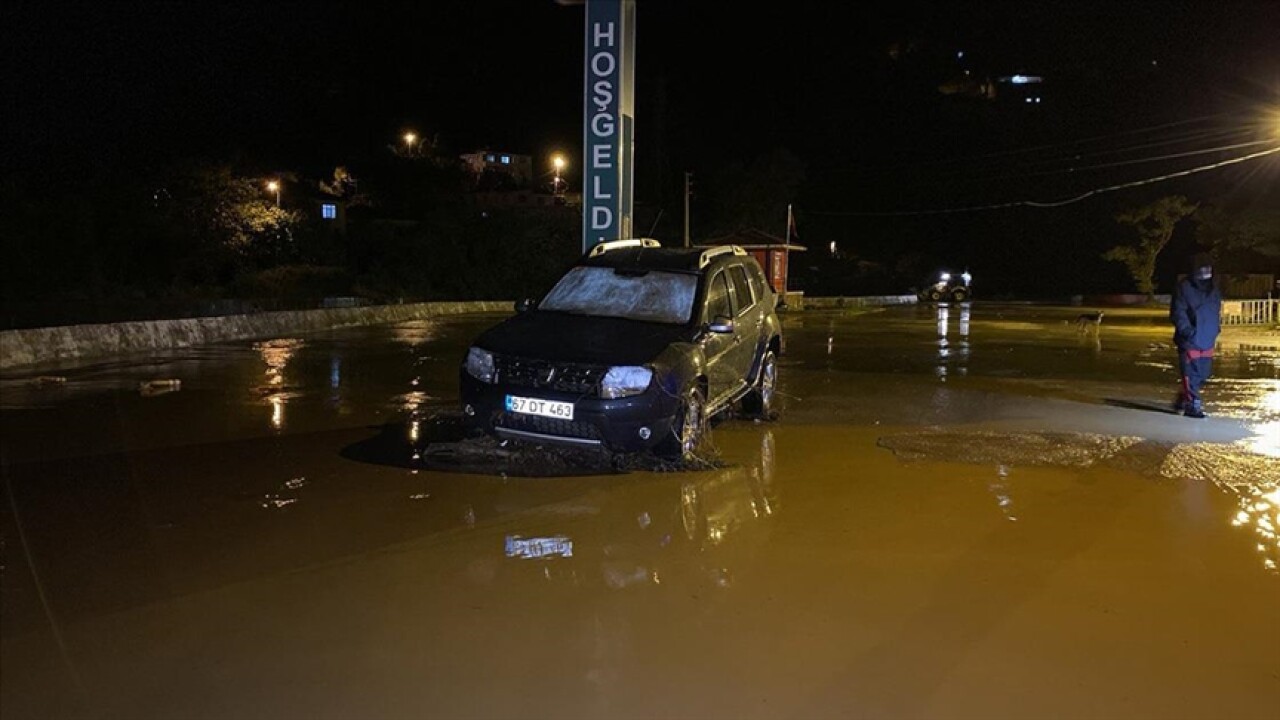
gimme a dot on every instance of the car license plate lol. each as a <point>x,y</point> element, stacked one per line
<point>545,408</point>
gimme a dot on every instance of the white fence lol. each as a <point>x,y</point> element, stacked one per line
<point>1250,312</point>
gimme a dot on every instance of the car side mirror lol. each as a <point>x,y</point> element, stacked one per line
<point>721,324</point>
<point>523,306</point>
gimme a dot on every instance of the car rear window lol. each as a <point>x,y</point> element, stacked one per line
<point>649,296</point>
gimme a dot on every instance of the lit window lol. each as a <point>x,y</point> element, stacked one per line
<point>488,158</point>
<point>506,159</point>
<point>329,211</point>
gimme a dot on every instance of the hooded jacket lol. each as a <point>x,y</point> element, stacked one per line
<point>1196,313</point>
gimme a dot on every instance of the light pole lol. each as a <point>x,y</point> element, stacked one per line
<point>558,162</point>
<point>274,186</point>
<point>410,140</point>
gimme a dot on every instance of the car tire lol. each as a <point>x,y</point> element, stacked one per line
<point>758,403</point>
<point>688,427</point>
<point>959,295</point>
<point>935,295</point>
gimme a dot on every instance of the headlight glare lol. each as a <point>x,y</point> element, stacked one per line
<point>625,381</point>
<point>480,364</point>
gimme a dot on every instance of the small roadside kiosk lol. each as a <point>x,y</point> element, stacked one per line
<point>773,254</point>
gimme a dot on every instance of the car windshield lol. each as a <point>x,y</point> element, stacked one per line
<point>653,296</point>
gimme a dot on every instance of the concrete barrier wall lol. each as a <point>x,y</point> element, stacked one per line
<point>826,303</point>
<point>76,342</point>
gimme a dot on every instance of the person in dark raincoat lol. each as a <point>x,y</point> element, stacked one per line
<point>1196,314</point>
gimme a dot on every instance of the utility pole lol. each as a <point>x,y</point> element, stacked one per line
<point>688,183</point>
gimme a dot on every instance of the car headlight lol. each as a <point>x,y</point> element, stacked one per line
<point>480,364</point>
<point>625,381</point>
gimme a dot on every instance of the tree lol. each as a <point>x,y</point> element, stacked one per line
<point>1235,236</point>
<point>1155,224</point>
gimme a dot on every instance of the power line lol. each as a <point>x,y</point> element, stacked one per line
<point>970,174</point>
<point>1055,203</point>
<point>1070,143</point>
<point>1121,163</point>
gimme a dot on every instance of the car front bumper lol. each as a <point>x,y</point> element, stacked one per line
<point>618,425</point>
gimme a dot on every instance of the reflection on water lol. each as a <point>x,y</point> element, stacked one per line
<point>952,353</point>
<point>413,403</point>
<point>276,354</point>
<point>1001,489</point>
<point>1260,512</point>
<point>415,332</point>
<point>1260,501</point>
<point>665,527</point>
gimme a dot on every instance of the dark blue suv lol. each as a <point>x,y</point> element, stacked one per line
<point>635,348</point>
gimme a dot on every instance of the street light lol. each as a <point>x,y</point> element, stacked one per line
<point>558,162</point>
<point>410,138</point>
<point>273,186</point>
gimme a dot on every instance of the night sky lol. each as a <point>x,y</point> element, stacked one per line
<point>852,89</point>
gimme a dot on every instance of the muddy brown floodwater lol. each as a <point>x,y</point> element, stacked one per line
<point>962,512</point>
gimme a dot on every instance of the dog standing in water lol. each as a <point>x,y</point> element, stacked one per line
<point>1086,319</point>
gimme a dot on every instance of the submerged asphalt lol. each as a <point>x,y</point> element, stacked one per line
<point>968,511</point>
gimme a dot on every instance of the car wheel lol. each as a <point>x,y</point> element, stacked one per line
<point>759,402</point>
<point>935,295</point>
<point>959,295</point>
<point>688,428</point>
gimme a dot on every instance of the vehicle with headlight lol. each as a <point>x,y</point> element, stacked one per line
<point>946,286</point>
<point>635,348</point>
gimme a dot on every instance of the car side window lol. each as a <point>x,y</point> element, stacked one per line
<point>742,289</point>
<point>718,298</point>
<point>757,281</point>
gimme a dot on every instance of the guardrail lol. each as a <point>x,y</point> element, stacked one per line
<point>35,346</point>
<point>1250,312</point>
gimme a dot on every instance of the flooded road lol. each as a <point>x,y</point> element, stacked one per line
<point>969,511</point>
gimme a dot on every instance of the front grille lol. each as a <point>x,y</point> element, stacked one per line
<point>566,377</point>
<point>547,426</point>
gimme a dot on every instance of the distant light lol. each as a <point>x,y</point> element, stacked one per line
<point>1026,79</point>
<point>558,161</point>
<point>833,247</point>
<point>1028,100</point>
<point>966,277</point>
<point>944,276</point>
<point>329,211</point>
<point>273,186</point>
<point>960,55</point>
<point>506,159</point>
<point>410,138</point>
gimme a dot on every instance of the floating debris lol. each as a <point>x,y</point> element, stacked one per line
<point>159,387</point>
<point>49,381</point>
<point>538,547</point>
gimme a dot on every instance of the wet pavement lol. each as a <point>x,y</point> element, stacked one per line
<point>967,511</point>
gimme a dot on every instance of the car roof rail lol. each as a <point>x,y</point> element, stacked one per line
<point>605,247</point>
<point>712,253</point>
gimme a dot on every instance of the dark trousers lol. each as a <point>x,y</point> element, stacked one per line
<point>1195,370</point>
